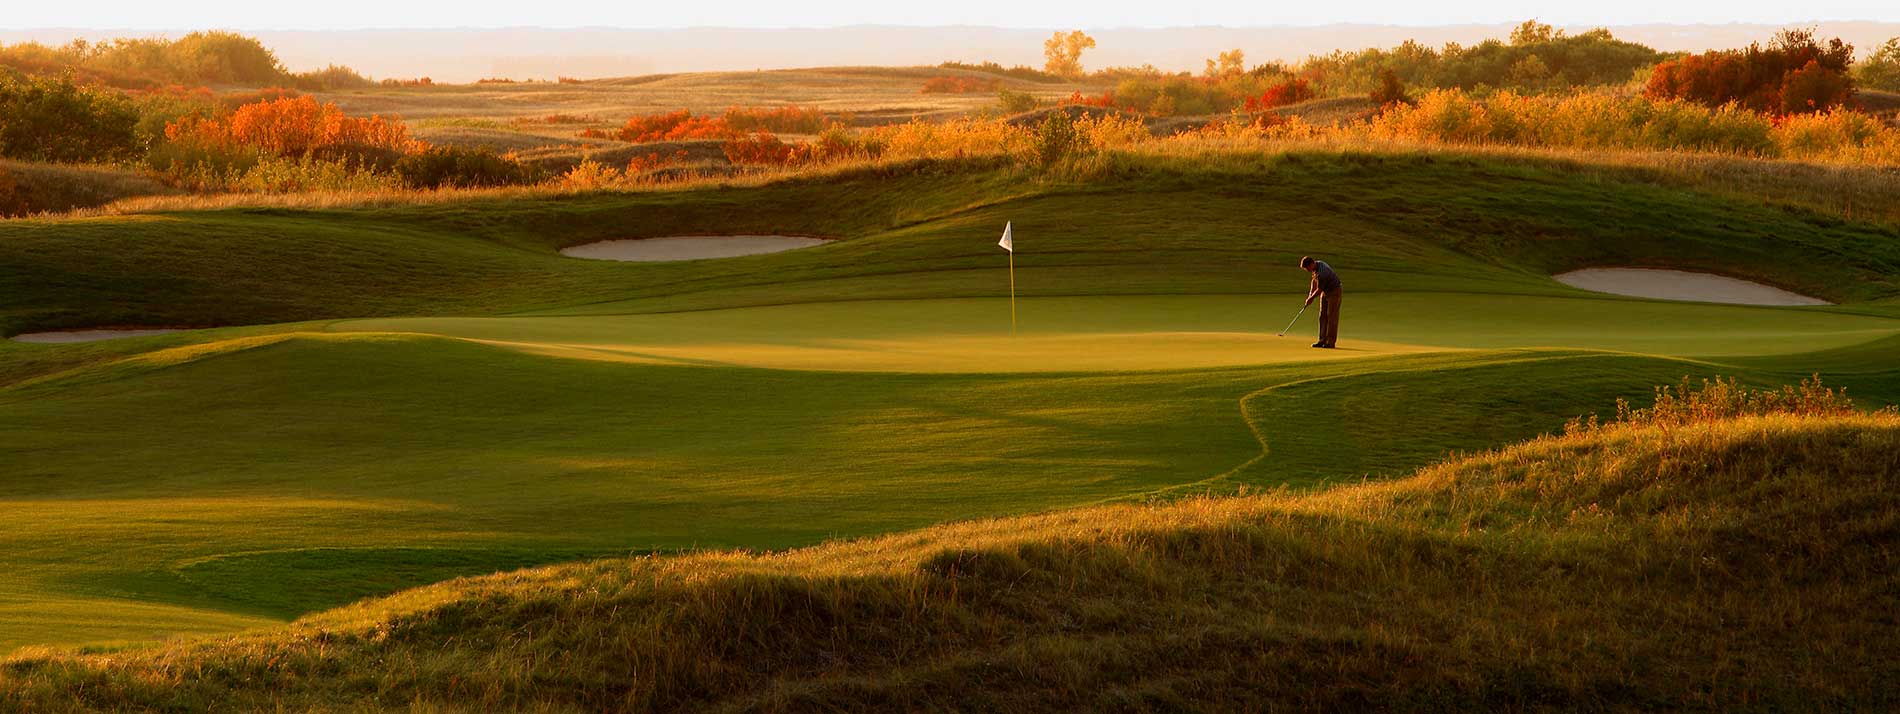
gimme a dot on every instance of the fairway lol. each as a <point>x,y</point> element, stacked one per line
<point>406,394</point>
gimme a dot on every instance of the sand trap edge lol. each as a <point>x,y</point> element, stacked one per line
<point>1683,286</point>
<point>669,249</point>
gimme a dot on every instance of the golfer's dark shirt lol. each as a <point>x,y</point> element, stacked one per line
<point>1328,280</point>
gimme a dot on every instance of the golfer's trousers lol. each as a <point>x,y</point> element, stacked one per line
<point>1329,317</point>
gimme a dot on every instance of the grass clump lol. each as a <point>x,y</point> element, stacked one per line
<point>1726,398</point>
<point>1736,563</point>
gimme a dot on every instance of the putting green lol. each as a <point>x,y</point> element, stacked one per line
<point>252,479</point>
<point>1144,333</point>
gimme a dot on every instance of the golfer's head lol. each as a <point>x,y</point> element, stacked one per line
<point>1308,262</point>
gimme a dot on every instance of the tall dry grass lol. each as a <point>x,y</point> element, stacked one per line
<point>1838,164</point>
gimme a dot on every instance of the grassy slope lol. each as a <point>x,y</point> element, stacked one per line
<point>1151,226</point>
<point>1733,565</point>
<point>254,479</point>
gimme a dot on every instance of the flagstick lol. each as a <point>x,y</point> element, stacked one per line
<point>1012,293</point>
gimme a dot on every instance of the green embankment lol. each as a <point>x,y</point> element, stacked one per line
<point>1741,564</point>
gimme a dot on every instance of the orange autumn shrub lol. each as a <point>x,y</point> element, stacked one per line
<point>1291,91</point>
<point>298,127</point>
<point>760,148</point>
<point>299,141</point>
<point>671,126</point>
<point>654,161</point>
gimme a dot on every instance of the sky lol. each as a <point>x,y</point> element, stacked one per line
<point>362,14</point>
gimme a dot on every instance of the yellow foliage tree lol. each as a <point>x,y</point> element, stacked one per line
<point>1230,62</point>
<point>1064,52</point>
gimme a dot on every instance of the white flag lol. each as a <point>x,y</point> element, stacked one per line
<point>1008,243</point>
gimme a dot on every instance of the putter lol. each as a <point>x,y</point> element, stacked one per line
<point>1296,318</point>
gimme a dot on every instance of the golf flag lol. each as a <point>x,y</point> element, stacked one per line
<point>1009,243</point>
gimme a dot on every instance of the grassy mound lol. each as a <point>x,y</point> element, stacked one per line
<point>1704,555</point>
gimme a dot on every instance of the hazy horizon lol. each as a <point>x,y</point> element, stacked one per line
<point>1007,14</point>
<point>465,54</point>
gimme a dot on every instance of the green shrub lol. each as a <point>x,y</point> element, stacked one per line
<point>460,167</point>
<point>199,58</point>
<point>45,119</point>
<point>1881,70</point>
<point>1014,102</point>
<point>331,77</point>
<point>1537,58</point>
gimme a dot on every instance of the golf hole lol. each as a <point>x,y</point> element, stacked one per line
<point>676,248</point>
<point>1681,285</point>
<point>61,337</point>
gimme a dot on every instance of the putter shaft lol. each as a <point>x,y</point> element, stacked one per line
<point>1296,318</point>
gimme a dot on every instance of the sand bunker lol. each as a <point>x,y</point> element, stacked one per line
<point>66,336</point>
<point>1681,285</point>
<point>688,247</point>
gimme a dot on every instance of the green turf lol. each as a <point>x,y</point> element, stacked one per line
<point>464,399</point>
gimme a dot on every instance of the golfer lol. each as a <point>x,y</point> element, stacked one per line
<point>1325,286</point>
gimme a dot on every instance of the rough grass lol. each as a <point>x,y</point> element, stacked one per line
<point>41,188</point>
<point>1736,564</point>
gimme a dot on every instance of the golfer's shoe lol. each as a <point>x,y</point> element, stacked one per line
<point>1321,344</point>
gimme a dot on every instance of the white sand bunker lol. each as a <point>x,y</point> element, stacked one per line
<point>1682,285</point>
<point>688,247</point>
<point>68,336</point>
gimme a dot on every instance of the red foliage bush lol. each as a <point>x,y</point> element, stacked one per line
<point>1106,100</point>
<point>1794,74</point>
<point>1291,91</point>
<point>1814,88</point>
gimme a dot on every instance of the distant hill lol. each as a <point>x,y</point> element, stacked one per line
<point>465,55</point>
